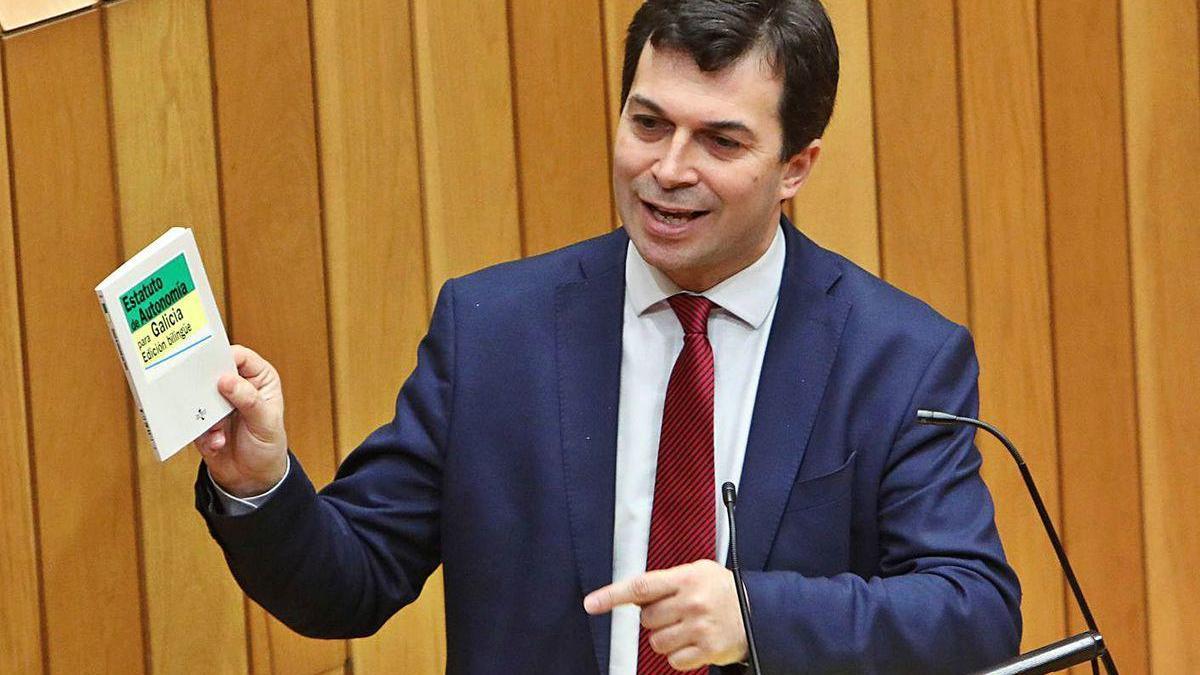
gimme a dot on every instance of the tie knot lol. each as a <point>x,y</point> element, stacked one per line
<point>692,311</point>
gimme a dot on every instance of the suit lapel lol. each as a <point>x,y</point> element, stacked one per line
<point>800,353</point>
<point>589,316</point>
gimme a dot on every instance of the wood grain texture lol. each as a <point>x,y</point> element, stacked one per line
<point>837,207</point>
<point>562,133</point>
<point>1010,311</point>
<point>617,15</point>
<point>20,611</point>
<point>266,133</point>
<point>78,400</point>
<point>1162,97</point>
<point>375,256</point>
<point>918,152</point>
<point>1093,319</point>
<point>469,157</point>
<point>615,18</point>
<point>258,633</point>
<point>165,153</point>
<point>18,13</point>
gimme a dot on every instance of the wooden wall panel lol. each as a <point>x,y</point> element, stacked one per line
<point>165,153</point>
<point>918,152</point>
<point>20,612</point>
<point>266,134</point>
<point>976,159</point>
<point>375,257</point>
<point>562,134</point>
<point>1162,100</point>
<point>1093,318</point>
<point>838,207</point>
<point>617,15</point>
<point>258,634</point>
<point>81,431</point>
<point>468,155</point>
<point>1010,312</point>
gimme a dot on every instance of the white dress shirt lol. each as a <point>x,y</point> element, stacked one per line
<point>238,506</point>
<point>651,339</point>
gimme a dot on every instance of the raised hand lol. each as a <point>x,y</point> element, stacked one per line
<point>246,452</point>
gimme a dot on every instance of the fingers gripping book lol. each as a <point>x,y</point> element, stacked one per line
<point>170,338</point>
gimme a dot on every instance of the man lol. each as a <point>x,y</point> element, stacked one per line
<point>571,417</point>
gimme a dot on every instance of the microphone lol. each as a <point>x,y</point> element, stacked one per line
<point>729,496</point>
<point>1087,646</point>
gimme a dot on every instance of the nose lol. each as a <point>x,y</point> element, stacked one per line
<point>674,168</point>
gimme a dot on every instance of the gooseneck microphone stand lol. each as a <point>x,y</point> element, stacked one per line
<point>729,496</point>
<point>1086,646</point>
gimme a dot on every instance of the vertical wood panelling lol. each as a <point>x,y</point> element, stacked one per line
<point>20,622</point>
<point>1010,313</point>
<point>562,135</point>
<point>258,633</point>
<point>1162,100</point>
<point>163,142</point>
<point>617,15</point>
<point>918,152</point>
<point>1093,318</point>
<point>81,431</point>
<point>837,206</point>
<point>274,257</point>
<point>375,259</point>
<point>468,154</point>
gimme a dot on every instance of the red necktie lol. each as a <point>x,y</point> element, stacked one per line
<point>683,525</point>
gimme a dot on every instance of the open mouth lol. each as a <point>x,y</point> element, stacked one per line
<point>674,217</point>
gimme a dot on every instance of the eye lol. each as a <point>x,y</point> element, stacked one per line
<point>725,143</point>
<point>646,123</point>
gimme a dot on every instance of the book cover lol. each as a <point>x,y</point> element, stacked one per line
<point>170,338</point>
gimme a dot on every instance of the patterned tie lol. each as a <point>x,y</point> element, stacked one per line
<point>683,525</point>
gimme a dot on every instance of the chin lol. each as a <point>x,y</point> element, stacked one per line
<point>674,258</point>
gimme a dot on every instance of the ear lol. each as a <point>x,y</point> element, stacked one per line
<point>797,169</point>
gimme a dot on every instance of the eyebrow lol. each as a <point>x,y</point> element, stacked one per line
<point>716,125</point>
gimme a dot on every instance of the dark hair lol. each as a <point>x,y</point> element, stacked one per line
<point>796,37</point>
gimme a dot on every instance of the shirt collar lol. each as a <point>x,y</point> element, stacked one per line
<point>748,295</point>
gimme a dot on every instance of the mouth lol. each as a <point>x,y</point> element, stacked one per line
<point>671,216</point>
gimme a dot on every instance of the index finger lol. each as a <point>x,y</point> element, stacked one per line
<point>640,590</point>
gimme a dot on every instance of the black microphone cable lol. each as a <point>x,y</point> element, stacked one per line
<point>729,496</point>
<point>1093,646</point>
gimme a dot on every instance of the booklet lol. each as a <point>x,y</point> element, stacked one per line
<point>170,338</point>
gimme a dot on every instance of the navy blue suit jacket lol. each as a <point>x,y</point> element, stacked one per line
<point>868,541</point>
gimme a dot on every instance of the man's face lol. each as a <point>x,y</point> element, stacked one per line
<point>696,165</point>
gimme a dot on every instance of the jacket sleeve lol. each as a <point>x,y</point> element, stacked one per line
<point>945,600</point>
<point>340,562</point>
